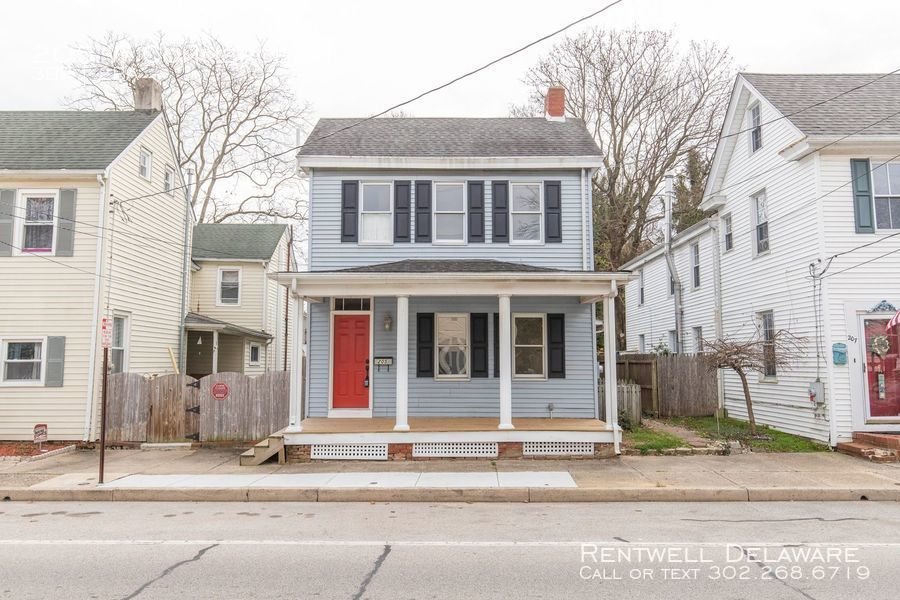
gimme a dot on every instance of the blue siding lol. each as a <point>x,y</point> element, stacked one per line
<point>328,252</point>
<point>479,397</point>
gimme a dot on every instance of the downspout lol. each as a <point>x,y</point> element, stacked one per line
<point>265,315</point>
<point>287,299</point>
<point>103,180</point>
<point>670,261</point>
<point>717,308</point>
<point>586,252</point>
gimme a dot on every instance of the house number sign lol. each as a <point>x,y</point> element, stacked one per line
<point>383,361</point>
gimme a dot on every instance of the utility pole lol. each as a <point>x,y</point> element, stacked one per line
<point>106,332</point>
<point>670,261</point>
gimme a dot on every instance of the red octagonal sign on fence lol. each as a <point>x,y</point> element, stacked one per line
<point>220,390</point>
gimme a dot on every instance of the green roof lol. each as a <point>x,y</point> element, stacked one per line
<point>67,139</point>
<point>247,241</point>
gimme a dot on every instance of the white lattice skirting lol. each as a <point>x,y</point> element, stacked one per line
<point>349,451</point>
<point>455,449</point>
<point>558,448</point>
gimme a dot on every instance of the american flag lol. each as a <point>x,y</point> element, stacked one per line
<point>894,322</point>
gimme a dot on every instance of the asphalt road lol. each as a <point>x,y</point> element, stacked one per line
<point>291,550</point>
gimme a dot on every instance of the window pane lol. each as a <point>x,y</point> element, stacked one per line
<point>452,360</point>
<point>526,198</point>
<point>880,180</point>
<point>118,340</point>
<point>762,237</point>
<point>39,209</point>
<point>38,237</point>
<point>23,351</point>
<point>530,361</point>
<point>376,198</point>
<point>230,277</point>
<point>117,360</point>
<point>883,213</point>
<point>895,213</point>
<point>761,212</point>
<point>529,331</point>
<point>229,293</point>
<point>526,226</point>
<point>24,371</point>
<point>452,331</point>
<point>894,176</point>
<point>376,228</point>
<point>448,227</point>
<point>448,198</point>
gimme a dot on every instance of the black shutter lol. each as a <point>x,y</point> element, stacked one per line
<point>401,211</point>
<point>552,211</point>
<point>500,211</point>
<point>65,234</point>
<point>863,211</point>
<point>478,332</point>
<point>424,344</point>
<point>349,210</point>
<point>476,211</point>
<point>496,345</point>
<point>423,211</point>
<point>556,346</point>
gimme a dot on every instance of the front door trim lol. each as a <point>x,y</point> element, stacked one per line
<point>855,312</point>
<point>335,413</point>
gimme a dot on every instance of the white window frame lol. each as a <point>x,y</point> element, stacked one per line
<point>389,212</point>
<point>539,212</point>
<point>761,317</point>
<point>464,212</point>
<point>727,233</point>
<point>698,339</point>
<point>754,221</point>
<point>4,342</point>
<point>673,341</point>
<point>126,339</point>
<point>250,348</point>
<point>437,348</point>
<point>543,317</point>
<point>641,287</point>
<point>219,286</point>
<point>141,153</point>
<point>21,209</point>
<point>695,265</point>
<point>642,343</point>
<point>751,127</point>
<point>169,180</point>
<point>891,195</point>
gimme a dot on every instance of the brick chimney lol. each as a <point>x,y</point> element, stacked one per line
<point>555,104</point>
<point>147,94</point>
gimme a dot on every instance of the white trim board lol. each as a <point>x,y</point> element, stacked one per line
<point>408,437</point>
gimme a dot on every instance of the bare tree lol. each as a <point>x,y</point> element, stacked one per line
<point>647,104</point>
<point>227,109</point>
<point>755,354</point>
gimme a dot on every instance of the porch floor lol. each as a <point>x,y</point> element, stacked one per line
<point>446,424</point>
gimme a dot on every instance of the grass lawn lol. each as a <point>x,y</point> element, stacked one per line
<point>647,440</point>
<point>769,440</point>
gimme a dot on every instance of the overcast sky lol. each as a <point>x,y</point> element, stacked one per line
<point>356,58</point>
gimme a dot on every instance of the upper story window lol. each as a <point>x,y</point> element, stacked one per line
<point>695,264</point>
<point>529,343</point>
<point>886,184</point>
<point>760,212</point>
<point>755,126</point>
<point>767,327</point>
<point>145,164</point>
<point>641,283</point>
<point>376,223</point>
<point>452,354</point>
<point>728,232</point>
<point>169,180</point>
<point>22,361</point>
<point>39,222</point>
<point>527,213</point>
<point>449,213</point>
<point>229,287</point>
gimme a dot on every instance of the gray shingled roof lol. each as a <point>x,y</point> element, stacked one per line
<point>249,241</point>
<point>197,319</point>
<point>449,266</point>
<point>843,116</point>
<point>440,137</point>
<point>37,140</point>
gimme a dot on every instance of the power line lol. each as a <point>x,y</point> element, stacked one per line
<point>865,262</point>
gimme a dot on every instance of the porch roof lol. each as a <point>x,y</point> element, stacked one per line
<point>198,322</point>
<point>471,277</point>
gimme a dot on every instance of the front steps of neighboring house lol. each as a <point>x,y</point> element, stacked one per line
<point>264,450</point>
<point>877,447</point>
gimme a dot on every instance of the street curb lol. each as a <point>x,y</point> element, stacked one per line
<point>634,494</point>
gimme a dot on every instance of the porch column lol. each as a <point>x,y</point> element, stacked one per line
<point>402,408</point>
<point>215,349</point>
<point>505,364</point>
<point>610,380</point>
<point>297,381</point>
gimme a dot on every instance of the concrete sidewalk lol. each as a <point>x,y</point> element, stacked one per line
<point>214,474</point>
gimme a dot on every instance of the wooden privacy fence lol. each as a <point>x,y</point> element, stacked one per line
<point>672,385</point>
<point>174,408</point>
<point>629,399</point>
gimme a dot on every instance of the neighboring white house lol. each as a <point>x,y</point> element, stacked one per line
<point>238,318</point>
<point>66,259</point>
<point>791,187</point>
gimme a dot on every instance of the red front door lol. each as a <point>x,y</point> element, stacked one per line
<point>351,361</point>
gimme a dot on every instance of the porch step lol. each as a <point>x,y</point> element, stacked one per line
<point>881,440</point>
<point>867,451</point>
<point>264,450</point>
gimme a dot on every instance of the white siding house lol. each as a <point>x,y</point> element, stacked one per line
<point>805,196</point>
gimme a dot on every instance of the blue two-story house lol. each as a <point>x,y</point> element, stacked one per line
<point>451,291</point>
